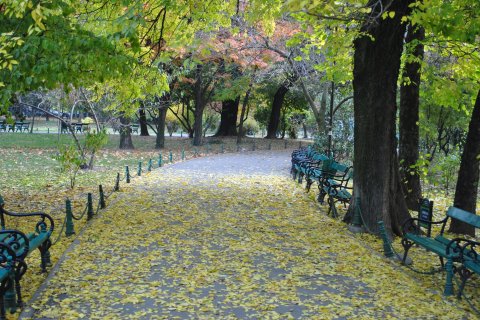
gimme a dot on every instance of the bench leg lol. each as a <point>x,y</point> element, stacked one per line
<point>448,283</point>
<point>3,289</point>
<point>309,184</point>
<point>294,173</point>
<point>465,274</point>
<point>300,177</point>
<point>321,194</point>
<point>20,270</point>
<point>407,244</point>
<point>331,207</point>
<point>44,254</point>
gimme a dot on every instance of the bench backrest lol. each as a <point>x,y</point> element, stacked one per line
<point>319,157</point>
<point>464,216</point>
<point>339,167</point>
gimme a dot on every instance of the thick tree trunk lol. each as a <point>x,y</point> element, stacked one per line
<point>143,122</point>
<point>228,118</point>
<point>160,139</point>
<point>467,183</point>
<point>198,126</point>
<point>375,75</point>
<point>408,125</point>
<point>125,134</point>
<point>276,111</point>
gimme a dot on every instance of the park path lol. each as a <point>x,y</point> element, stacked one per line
<point>225,237</point>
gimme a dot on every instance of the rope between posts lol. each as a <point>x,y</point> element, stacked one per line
<point>467,299</point>
<point>98,207</point>
<point>428,273</point>
<point>61,231</point>
<point>432,272</point>
<point>81,216</point>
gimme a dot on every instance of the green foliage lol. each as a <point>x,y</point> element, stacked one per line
<point>250,127</point>
<point>54,48</point>
<point>94,141</point>
<point>443,171</point>
<point>70,161</point>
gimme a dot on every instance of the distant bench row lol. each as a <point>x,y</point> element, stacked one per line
<point>15,127</point>
<point>77,127</point>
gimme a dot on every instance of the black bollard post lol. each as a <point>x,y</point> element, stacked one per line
<point>89,206</point>
<point>117,183</point>
<point>102,197</point>
<point>70,228</point>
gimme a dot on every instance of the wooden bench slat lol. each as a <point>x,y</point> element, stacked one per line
<point>431,245</point>
<point>464,216</point>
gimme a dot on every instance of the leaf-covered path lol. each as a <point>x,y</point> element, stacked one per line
<point>227,237</point>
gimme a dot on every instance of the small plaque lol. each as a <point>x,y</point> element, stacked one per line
<point>425,214</point>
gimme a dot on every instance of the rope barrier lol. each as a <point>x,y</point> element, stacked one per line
<point>470,303</point>
<point>61,231</point>
<point>81,216</point>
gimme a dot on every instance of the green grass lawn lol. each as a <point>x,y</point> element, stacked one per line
<point>28,168</point>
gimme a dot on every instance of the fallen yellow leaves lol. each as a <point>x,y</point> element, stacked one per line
<point>181,245</point>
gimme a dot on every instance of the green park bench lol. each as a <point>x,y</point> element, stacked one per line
<point>134,128</point>
<point>64,127</point>
<point>336,186</point>
<point>459,252</point>
<point>8,258</point>
<point>25,126</point>
<point>24,244</point>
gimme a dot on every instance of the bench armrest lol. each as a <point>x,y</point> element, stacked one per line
<point>15,240</point>
<point>409,226</point>
<point>46,223</point>
<point>468,250</point>
<point>7,255</point>
<point>455,246</point>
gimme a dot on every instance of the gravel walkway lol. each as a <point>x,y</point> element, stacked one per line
<point>224,237</point>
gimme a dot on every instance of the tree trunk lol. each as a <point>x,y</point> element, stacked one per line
<point>199,106</point>
<point>276,111</point>
<point>244,109</point>
<point>160,140</point>
<point>33,121</point>
<point>408,125</point>
<point>125,134</point>
<point>228,118</point>
<point>467,183</point>
<point>375,75</point>
<point>143,121</point>
<point>197,126</point>
<point>305,133</point>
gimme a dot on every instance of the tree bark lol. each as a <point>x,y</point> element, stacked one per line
<point>276,111</point>
<point>125,134</point>
<point>228,118</point>
<point>160,139</point>
<point>200,104</point>
<point>467,183</point>
<point>408,125</point>
<point>143,121</point>
<point>375,75</point>
<point>242,115</point>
